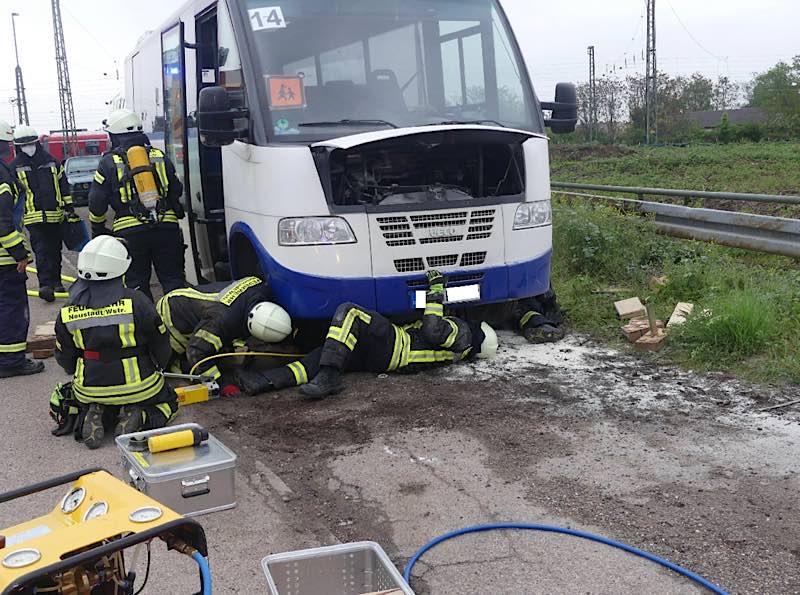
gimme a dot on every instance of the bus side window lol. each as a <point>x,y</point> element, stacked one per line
<point>230,64</point>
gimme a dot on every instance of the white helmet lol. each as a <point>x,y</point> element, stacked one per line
<point>25,135</point>
<point>122,121</point>
<point>103,258</point>
<point>489,345</point>
<point>269,322</point>
<point>6,132</point>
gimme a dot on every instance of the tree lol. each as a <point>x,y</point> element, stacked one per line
<point>610,104</point>
<point>726,93</point>
<point>778,89</point>
<point>697,93</point>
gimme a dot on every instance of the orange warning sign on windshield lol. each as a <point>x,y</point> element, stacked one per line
<point>285,92</point>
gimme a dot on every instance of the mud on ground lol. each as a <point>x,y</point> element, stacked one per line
<point>675,463</point>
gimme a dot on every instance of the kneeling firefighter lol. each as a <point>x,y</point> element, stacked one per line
<point>540,318</point>
<point>216,318</point>
<point>112,341</point>
<point>362,340</point>
<point>138,181</point>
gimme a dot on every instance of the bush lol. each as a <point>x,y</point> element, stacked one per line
<point>739,324</point>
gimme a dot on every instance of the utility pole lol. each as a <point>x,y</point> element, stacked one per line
<point>22,103</point>
<point>651,78</point>
<point>592,96</point>
<point>64,88</point>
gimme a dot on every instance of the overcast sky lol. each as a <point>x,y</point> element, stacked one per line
<point>734,37</point>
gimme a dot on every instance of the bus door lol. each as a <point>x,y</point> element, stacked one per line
<point>176,142</point>
<point>205,163</point>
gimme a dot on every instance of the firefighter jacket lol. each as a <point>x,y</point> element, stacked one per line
<point>210,319</point>
<point>361,340</point>
<point>44,187</point>
<point>114,349</point>
<point>12,242</point>
<point>113,186</point>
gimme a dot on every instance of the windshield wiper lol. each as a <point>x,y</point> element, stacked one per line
<point>452,122</point>
<point>349,123</point>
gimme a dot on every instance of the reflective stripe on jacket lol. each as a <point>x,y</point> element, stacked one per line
<point>114,352</point>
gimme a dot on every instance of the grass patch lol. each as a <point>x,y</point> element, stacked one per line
<point>602,255</point>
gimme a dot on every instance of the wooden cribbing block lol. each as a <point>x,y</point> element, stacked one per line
<point>637,328</point>
<point>650,342</point>
<point>37,343</point>
<point>630,308</point>
<point>43,353</point>
<point>679,315</point>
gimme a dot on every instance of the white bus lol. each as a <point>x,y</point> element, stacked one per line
<point>341,148</point>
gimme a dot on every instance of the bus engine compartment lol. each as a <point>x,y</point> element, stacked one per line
<point>425,168</point>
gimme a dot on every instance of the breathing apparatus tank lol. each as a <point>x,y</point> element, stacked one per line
<point>143,179</point>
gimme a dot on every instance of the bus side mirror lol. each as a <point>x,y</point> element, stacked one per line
<point>564,109</point>
<point>217,119</point>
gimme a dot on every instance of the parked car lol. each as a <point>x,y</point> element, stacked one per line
<point>80,173</point>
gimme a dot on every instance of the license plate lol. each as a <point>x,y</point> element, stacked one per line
<point>454,295</point>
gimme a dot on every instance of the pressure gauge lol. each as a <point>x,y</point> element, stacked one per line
<point>96,510</point>
<point>72,500</point>
<point>22,558</point>
<point>146,514</point>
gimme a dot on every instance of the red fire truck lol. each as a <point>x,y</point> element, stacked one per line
<point>89,143</point>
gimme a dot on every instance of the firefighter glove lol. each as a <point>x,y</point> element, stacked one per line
<point>436,282</point>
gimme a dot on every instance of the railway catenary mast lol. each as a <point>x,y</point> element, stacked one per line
<point>64,87</point>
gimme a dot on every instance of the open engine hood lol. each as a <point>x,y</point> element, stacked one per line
<point>355,140</point>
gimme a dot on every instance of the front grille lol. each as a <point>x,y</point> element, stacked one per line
<point>447,260</point>
<point>441,240</point>
<point>472,259</point>
<point>451,280</point>
<point>403,230</point>
<point>481,224</point>
<point>396,231</point>
<point>438,218</point>
<point>409,265</point>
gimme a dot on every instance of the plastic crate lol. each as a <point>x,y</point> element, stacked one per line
<point>346,569</point>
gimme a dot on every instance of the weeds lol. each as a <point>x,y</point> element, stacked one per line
<point>601,255</point>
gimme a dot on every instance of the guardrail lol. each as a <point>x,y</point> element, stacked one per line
<point>763,233</point>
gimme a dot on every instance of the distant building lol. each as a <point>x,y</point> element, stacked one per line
<point>743,115</point>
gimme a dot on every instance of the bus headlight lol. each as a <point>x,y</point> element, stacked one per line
<point>533,214</point>
<point>312,231</point>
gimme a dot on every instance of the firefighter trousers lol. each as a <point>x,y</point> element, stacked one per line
<point>358,340</point>
<point>160,247</point>
<point>46,240</point>
<point>14,317</point>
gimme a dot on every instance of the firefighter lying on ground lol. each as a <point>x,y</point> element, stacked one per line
<point>215,318</point>
<point>539,318</point>
<point>362,340</point>
<point>113,343</point>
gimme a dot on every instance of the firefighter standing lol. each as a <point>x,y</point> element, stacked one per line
<point>212,318</point>
<point>112,341</point>
<point>14,257</point>
<point>362,340</point>
<point>47,199</point>
<point>146,212</point>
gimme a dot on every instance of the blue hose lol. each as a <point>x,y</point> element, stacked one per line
<point>205,572</point>
<point>551,529</point>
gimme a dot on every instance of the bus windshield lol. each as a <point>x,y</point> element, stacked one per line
<point>332,68</point>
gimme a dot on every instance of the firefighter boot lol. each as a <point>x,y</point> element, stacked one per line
<point>130,420</point>
<point>92,429</point>
<point>327,382</point>
<point>47,294</point>
<point>545,333</point>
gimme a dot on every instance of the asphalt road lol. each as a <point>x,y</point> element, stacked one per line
<point>572,435</point>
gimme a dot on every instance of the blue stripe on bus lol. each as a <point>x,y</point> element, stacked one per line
<point>313,297</point>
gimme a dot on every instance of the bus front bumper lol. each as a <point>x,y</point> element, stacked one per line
<point>313,297</point>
